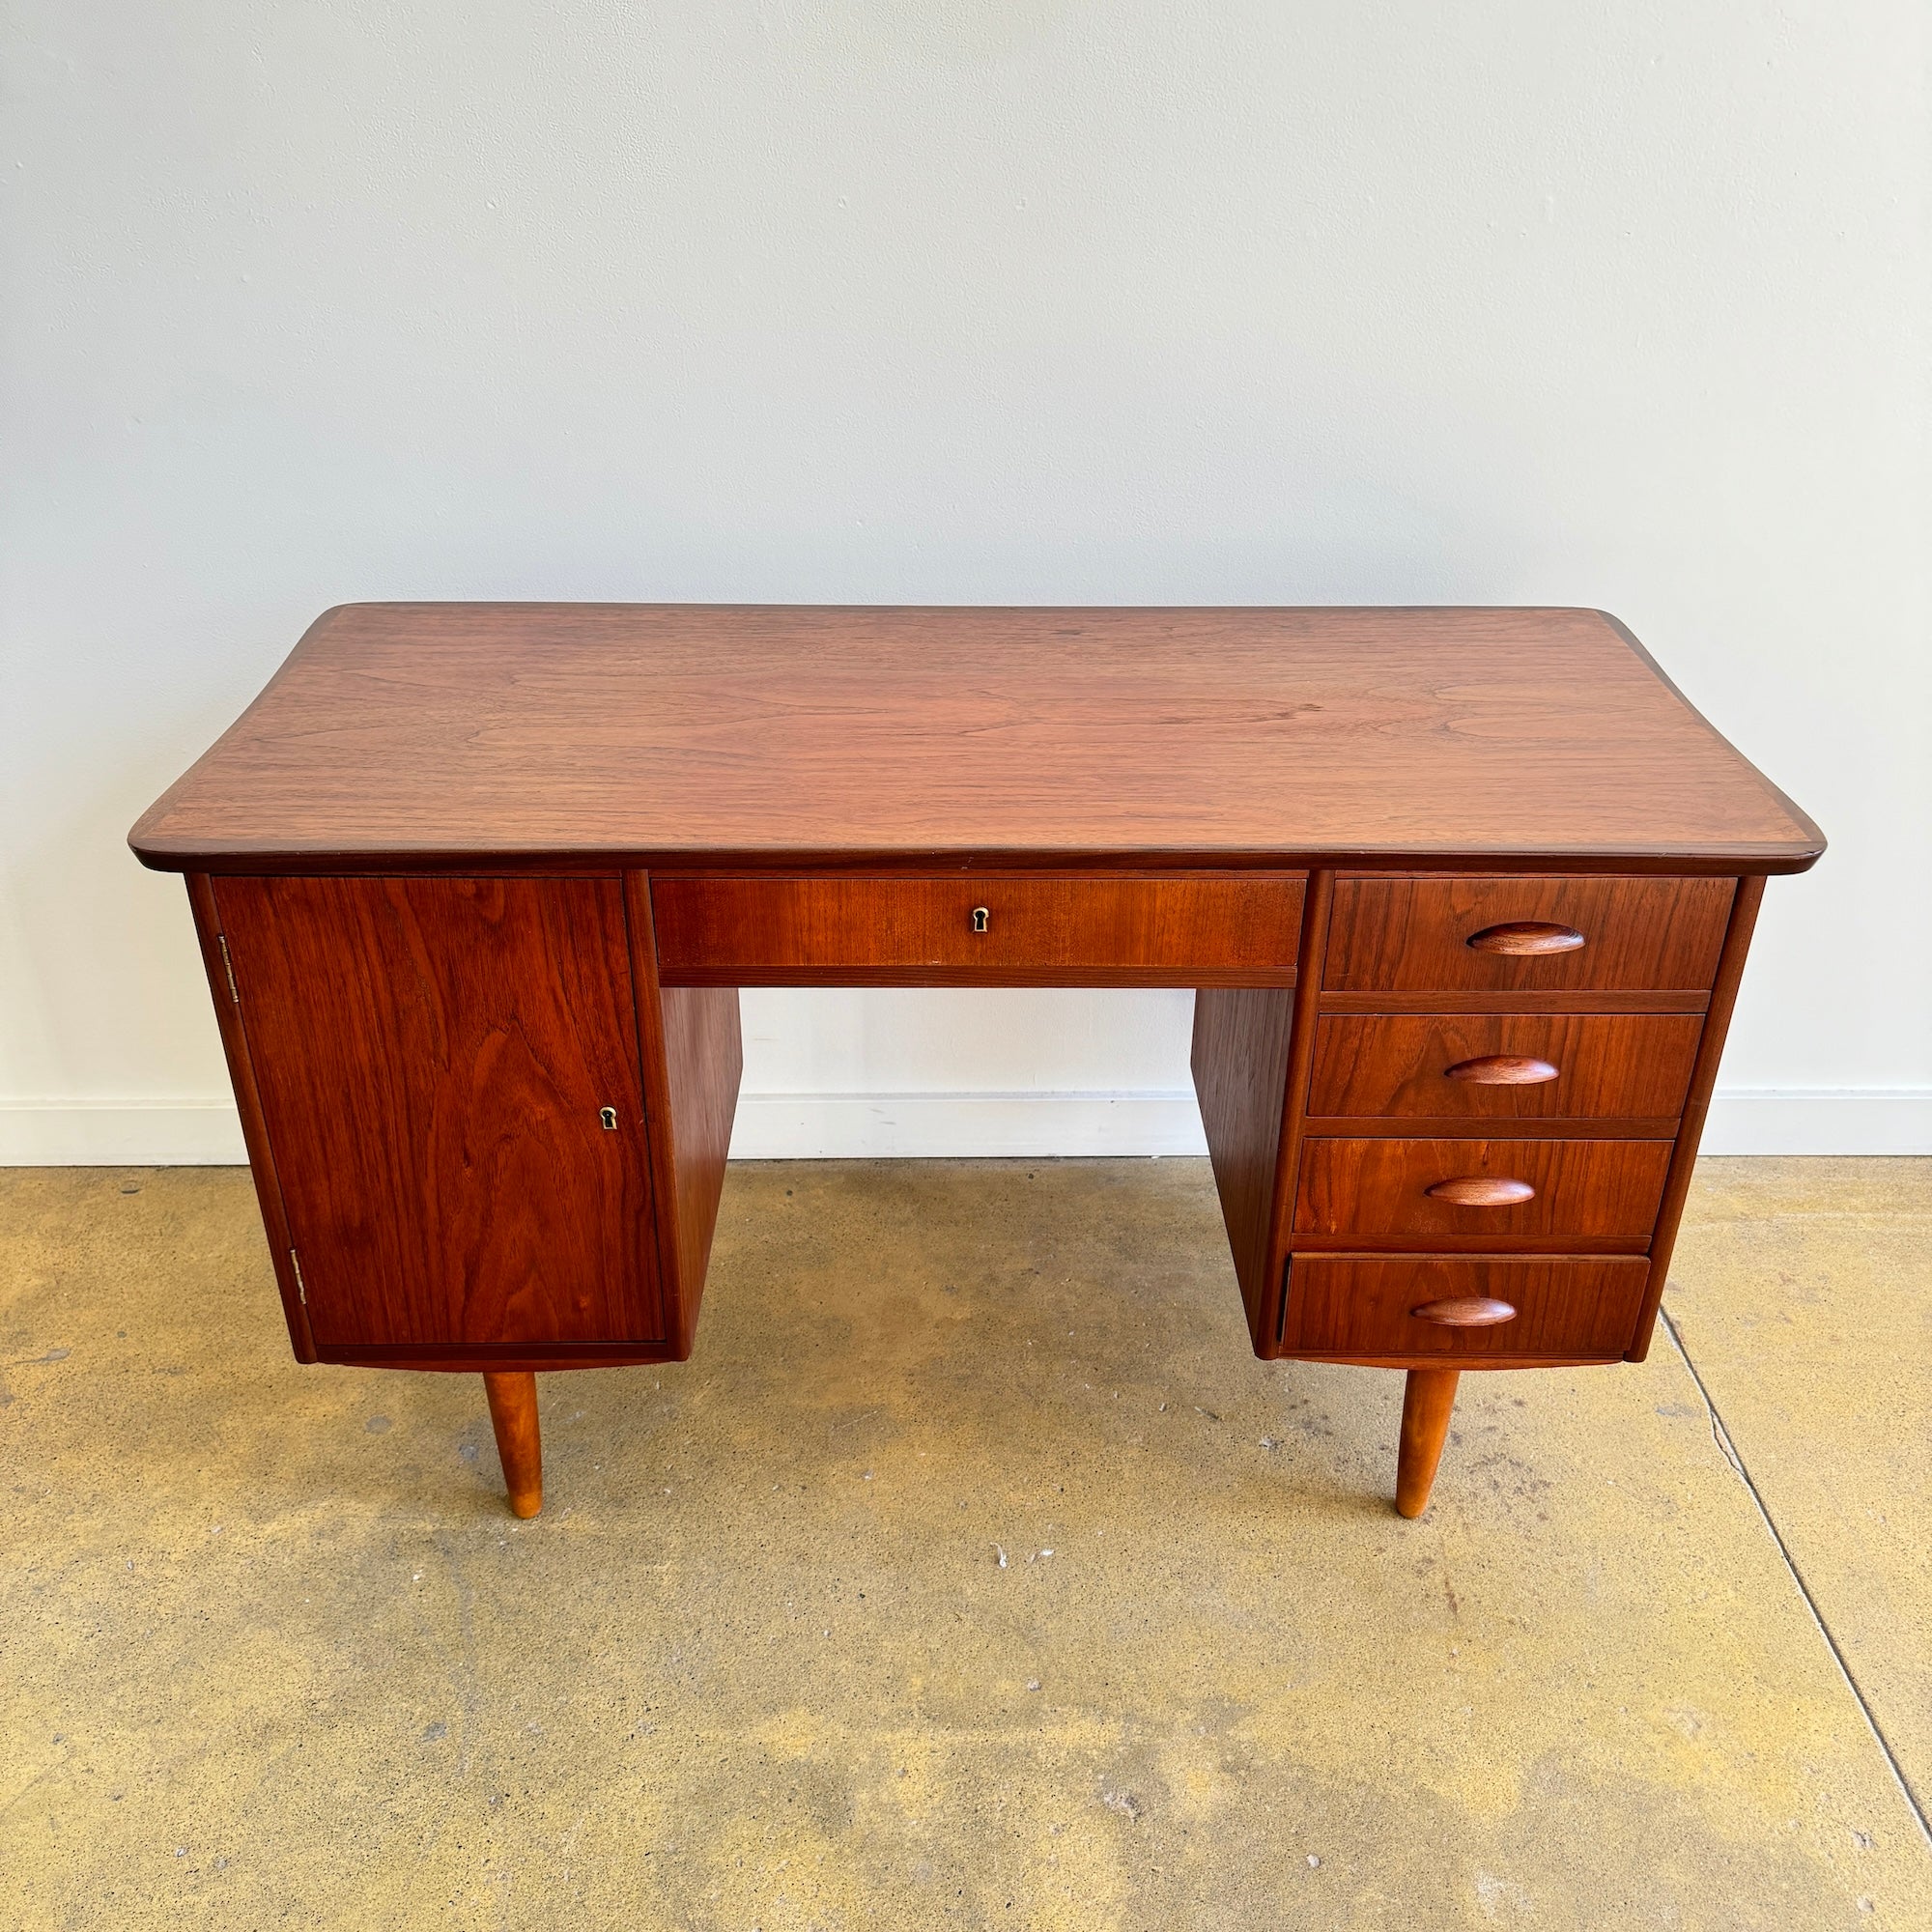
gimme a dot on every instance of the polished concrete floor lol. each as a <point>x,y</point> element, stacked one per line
<point>973,1572</point>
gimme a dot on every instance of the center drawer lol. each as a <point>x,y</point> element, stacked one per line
<point>987,928</point>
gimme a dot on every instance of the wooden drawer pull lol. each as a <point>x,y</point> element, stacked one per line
<point>1471,1311</point>
<point>1502,1070</point>
<point>1525,938</point>
<point>1481,1190</point>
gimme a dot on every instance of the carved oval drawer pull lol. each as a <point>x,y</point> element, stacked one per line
<point>1481,1190</point>
<point>1502,1070</point>
<point>1468,1310</point>
<point>1525,938</point>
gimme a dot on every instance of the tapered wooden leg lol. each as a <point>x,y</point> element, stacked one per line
<point>1428,1399</point>
<point>513,1415</point>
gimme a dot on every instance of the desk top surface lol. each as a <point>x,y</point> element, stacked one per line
<point>799,735</point>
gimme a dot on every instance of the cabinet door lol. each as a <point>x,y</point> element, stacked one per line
<point>434,1058</point>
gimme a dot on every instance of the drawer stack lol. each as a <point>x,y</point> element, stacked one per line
<point>1497,1076</point>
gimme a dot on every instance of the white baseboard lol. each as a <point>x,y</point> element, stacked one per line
<point>1819,1119</point>
<point>1028,1125</point>
<point>119,1134</point>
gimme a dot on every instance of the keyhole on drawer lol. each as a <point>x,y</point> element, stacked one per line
<point>980,918</point>
<point>608,1116</point>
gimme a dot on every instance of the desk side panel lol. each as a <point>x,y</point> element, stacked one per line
<point>248,1103</point>
<point>1252,1053</point>
<point>1703,1079</point>
<point>1240,1072</point>
<point>693,1049</point>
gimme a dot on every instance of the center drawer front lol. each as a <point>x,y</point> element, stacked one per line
<point>1615,934</point>
<point>1041,931</point>
<point>1577,1309</point>
<point>1578,1192</point>
<point>1632,1066</point>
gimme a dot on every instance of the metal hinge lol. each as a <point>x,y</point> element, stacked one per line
<point>302,1287</point>
<point>234,991</point>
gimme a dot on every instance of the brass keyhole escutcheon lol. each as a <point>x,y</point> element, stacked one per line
<point>608,1118</point>
<point>980,915</point>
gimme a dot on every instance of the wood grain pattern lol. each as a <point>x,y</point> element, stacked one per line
<point>1468,1310</point>
<point>1703,1079</point>
<point>1037,931</point>
<point>1239,1061</point>
<point>704,1060</point>
<point>1251,1058</point>
<point>663,736</point>
<point>1583,1192</point>
<point>1641,933</point>
<point>248,1103</point>
<point>1357,1307</point>
<point>1608,1064</point>
<point>1318,920</point>
<point>694,1059</point>
<point>1471,1190</point>
<point>493,1357</point>
<point>1525,938</point>
<point>1413,1126</point>
<point>1520,1000</point>
<point>1502,1070</point>
<point>432,1056</point>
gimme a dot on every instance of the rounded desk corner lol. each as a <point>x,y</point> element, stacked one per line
<point>154,852</point>
<point>1814,850</point>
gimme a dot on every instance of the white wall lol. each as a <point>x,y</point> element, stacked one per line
<point>960,300</point>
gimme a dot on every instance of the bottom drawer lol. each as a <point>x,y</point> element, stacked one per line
<point>1443,1309</point>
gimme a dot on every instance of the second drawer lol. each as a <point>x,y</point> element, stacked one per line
<point>1457,1066</point>
<point>1588,1192</point>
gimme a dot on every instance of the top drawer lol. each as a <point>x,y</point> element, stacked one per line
<point>989,929</point>
<point>1534,934</point>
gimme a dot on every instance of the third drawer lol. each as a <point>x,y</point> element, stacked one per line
<point>1481,1192</point>
<point>1454,1067</point>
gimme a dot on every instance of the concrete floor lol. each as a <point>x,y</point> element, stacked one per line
<point>973,1572</point>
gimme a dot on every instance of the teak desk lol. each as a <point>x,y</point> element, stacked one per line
<point>1466,894</point>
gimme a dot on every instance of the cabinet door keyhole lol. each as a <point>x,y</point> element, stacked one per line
<point>981,915</point>
<point>608,1117</point>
